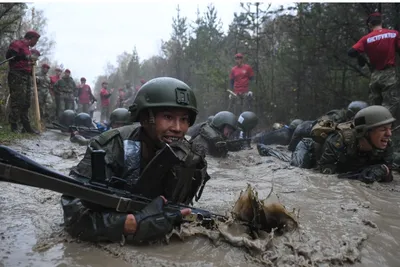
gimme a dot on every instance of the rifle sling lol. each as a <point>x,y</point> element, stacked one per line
<point>74,188</point>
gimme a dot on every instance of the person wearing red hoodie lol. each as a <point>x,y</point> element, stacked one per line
<point>85,96</point>
<point>240,78</point>
<point>105,101</point>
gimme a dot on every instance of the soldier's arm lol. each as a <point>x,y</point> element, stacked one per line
<point>90,225</point>
<point>327,163</point>
<point>82,220</point>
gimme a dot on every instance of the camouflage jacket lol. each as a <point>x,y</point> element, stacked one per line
<point>207,138</point>
<point>42,81</point>
<point>88,221</point>
<point>65,85</point>
<point>336,115</point>
<point>340,154</point>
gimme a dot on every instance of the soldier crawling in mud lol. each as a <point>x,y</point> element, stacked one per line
<point>45,99</point>
<point>280,136</point>
<point>216,132</point>
<point>195,129</point>
<point>118,118</point>
<point>330,119</point>
<point>364,150</point>
<point>165,108</point>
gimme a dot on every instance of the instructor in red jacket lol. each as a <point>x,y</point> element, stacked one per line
<point>240,78</point>
<point>380,45</point>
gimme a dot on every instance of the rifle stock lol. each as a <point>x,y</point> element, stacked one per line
<point>19,169</point>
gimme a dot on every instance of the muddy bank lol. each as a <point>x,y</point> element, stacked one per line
<point>341,221</point>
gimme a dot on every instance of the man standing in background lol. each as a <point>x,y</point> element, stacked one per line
<point>45,99</point>
<point>105,101</point>
<point>64,91</point>
<point>240,77</point>
<point>85,96</point>
<point>20,80</point>
<point>53,80</point>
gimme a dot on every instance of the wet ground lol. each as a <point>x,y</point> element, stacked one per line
<point>341,221</point>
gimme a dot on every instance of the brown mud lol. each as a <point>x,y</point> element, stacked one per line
<point>341,222</point>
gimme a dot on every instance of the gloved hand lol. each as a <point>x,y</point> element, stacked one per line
<point>153,222</point>
<point>374,173</point>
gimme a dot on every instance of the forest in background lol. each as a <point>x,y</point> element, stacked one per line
<point>298,53</point>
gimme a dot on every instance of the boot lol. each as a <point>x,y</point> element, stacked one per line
<point>14,128</point>
<point>28,128</point>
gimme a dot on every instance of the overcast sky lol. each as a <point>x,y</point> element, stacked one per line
<point>88,35</point>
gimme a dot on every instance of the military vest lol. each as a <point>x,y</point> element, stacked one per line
<point>210,134</point>
<point>181,183</point>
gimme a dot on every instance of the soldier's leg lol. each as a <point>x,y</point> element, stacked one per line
<point>27,95</point>
<point>42,104</point>
<point>61,106</point>
<point>69,103</point>
<point>85,108</point>
<point>16,91</point>
<point>375,87</point>
<point>48,107</point>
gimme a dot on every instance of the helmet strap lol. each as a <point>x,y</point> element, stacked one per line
<point>152,119</point>
<point>374,148</point>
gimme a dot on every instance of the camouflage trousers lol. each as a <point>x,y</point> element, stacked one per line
<point>46,105</point>
<point>240,103</point>
<point>84,108</point>
<point>385,90</point>
<point>105,113</point>
<point>64,101</point>
<point>20,96</point>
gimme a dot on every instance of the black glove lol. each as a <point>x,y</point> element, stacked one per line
<point>374,173</point>
<point>361,61</point>
<point>154,223</point>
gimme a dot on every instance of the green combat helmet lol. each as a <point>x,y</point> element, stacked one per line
<point>210,118</point>
<point>83,119</point>
<point>371,117</point>
<point>355,107</point>
<point>164,92</point>
<point>293,125</point>
<point>247,121</point>
<point>224,117</point>
<point>120,116</point>
<point>67,118</point>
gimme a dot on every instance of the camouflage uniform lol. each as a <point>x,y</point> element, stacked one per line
<point>340,154</point>
<point>207,138</point>
<point>64,91</point>
<point>128,151</point>
<point>385,89</point>
<point>240,103</point>
<point>20,85</point>
<point>45,99</point>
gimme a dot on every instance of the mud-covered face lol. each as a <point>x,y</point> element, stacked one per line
<point>171,124</point>
<point>228,130</point>
<point>380,136</point>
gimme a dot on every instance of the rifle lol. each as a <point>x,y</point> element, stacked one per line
<point>19,169</point>
<point>234,145</point>
<point>84,131</point>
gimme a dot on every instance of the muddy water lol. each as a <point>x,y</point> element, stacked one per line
<point>341,221</point>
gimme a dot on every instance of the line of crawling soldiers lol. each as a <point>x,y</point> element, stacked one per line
<point>161,115</point>
<point>56,93</point>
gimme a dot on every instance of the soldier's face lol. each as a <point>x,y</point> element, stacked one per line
<point>228,130</point>
<point>45,70</point>
<point>66,74</point>
<point>380,136</point>
<point>33,41</point>
<point>239,61</point>
<point>58,73</point>
<point>171,124</point>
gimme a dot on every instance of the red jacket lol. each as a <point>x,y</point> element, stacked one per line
<point>380,47</point>
<point>85,94</point>
<point>105,97</point>
<point>241,76</point>
<point>21,49</point>
<point>53,80</point>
